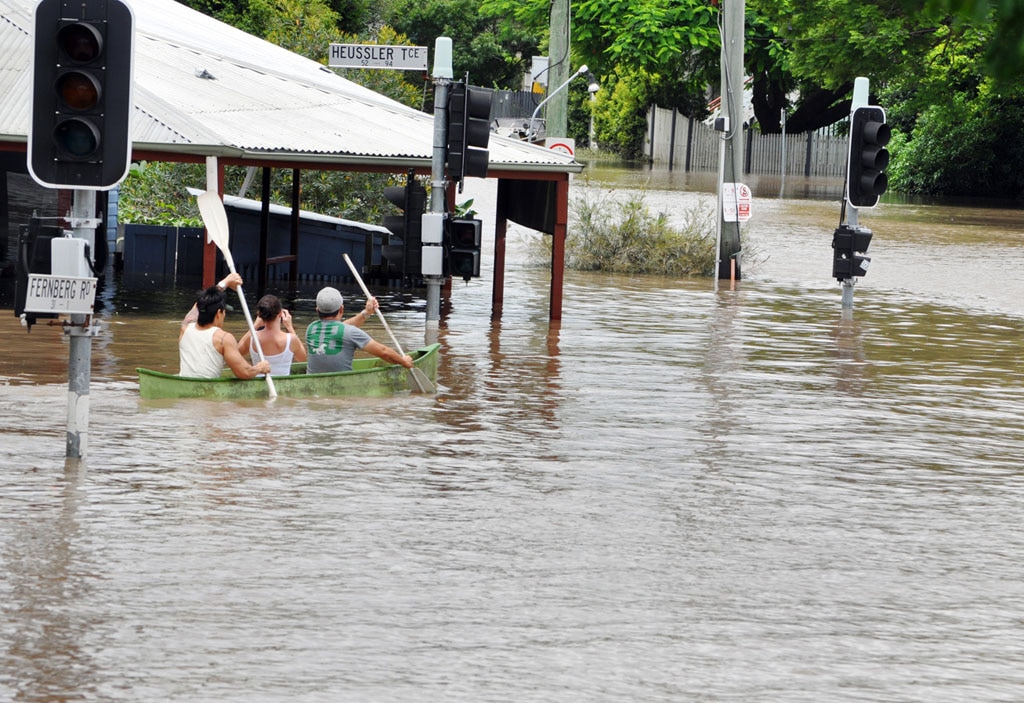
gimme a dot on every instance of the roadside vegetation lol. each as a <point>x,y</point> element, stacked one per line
<point>950,74</point>
<point>622,235</point>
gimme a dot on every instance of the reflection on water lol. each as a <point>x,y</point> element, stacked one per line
<point>675,494</point>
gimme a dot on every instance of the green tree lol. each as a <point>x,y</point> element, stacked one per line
<point>489,49</point>
<point>966,147</point>
<point>1004,54</point>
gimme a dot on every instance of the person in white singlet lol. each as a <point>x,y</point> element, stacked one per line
<point>276,335</point>
<point>204,347</point>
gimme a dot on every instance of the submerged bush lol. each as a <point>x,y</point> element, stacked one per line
<point>605,234</point>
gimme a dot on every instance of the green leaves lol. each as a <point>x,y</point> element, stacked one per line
<point>624,236</point>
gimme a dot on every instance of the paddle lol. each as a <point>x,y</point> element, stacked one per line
<point>216,220</point>
<point>419,379</point>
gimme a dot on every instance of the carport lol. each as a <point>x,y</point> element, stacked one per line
<point>203,88</point>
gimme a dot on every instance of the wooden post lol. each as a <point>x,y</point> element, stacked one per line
<point>293,269</point>
<point>558,246</point>
<point>214,181</point>
<point>500,232</point>
<point>559,69</point>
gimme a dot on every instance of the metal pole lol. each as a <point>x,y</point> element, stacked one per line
<point>782,187</point>
<point>81,331</point>
<point>861,87</point>
<point>530,134</point>
<point>442,85</point>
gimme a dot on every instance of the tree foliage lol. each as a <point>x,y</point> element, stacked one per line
<point>494,50</point>
<point>931,67</point>
<point>940,68</point>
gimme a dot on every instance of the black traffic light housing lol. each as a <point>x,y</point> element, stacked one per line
<point>849,243</point>
<point>406,254</point>
<point>81,94</point>
<point>463,245</point>
<point>469,131</point>
<point>868,157</point>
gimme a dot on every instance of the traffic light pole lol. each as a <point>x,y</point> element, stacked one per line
<point>860,98</point>
<point>442,84</point>
<point>79,139</point>
<point>81,331</point>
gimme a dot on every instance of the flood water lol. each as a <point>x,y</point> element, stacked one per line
<point>677,494</point>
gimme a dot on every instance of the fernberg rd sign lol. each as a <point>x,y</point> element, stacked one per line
<point>60,294</point>
<point>403,58</point>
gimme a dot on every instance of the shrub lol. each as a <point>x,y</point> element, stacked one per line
<point>605,234</point>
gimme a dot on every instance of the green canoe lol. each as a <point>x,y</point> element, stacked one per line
<point>368,377</point>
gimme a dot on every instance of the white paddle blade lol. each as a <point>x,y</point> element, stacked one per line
<point>215,217</point>
<point>420,380</point>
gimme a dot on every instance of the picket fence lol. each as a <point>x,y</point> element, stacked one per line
<point>690,145</point>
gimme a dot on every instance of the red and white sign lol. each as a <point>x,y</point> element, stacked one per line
<point>736,201</point>
<point>563,145</point>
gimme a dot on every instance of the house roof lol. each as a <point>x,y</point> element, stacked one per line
<point>205,88</point>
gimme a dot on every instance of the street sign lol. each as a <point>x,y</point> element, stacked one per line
<point>402,58</point>
<point>736,199</point>
<point>60,294</point>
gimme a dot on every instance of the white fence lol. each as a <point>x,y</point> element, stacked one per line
<point>690,145</point>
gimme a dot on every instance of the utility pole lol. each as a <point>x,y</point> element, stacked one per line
<point>731,155</point>
<point>556,123</point>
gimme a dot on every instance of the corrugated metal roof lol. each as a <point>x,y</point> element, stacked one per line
<point>203,87</point>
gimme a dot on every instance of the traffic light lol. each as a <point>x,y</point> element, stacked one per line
<point>34,245</point>
<point>406,253</point>
<point>81,94</point>
<point>868,158</point>
<point>469,130</point>
<point>464,237</point>
<point>849,244</point>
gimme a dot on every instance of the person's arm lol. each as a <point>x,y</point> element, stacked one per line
<point>388,354</point>
<point>190,317</point>
<point>236,362</point>
<point>232,281</point>
<point>297,347</point>
<point>244,343</point>
<point>365,314</point>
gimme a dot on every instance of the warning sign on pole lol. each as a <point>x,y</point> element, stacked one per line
<point>736,199</point>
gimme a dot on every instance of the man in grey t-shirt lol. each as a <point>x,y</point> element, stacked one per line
<point>332,343</point>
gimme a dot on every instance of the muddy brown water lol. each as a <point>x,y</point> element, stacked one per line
<point>676,494</point>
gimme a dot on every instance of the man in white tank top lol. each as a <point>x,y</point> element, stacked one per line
<point>204,347</point>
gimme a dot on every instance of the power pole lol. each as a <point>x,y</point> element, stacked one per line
<point>731,156</point>
<point>555,124</point>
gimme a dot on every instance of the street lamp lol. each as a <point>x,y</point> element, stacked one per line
<point>592,87</point>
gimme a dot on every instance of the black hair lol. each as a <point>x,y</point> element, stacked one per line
<point>209,302</point>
